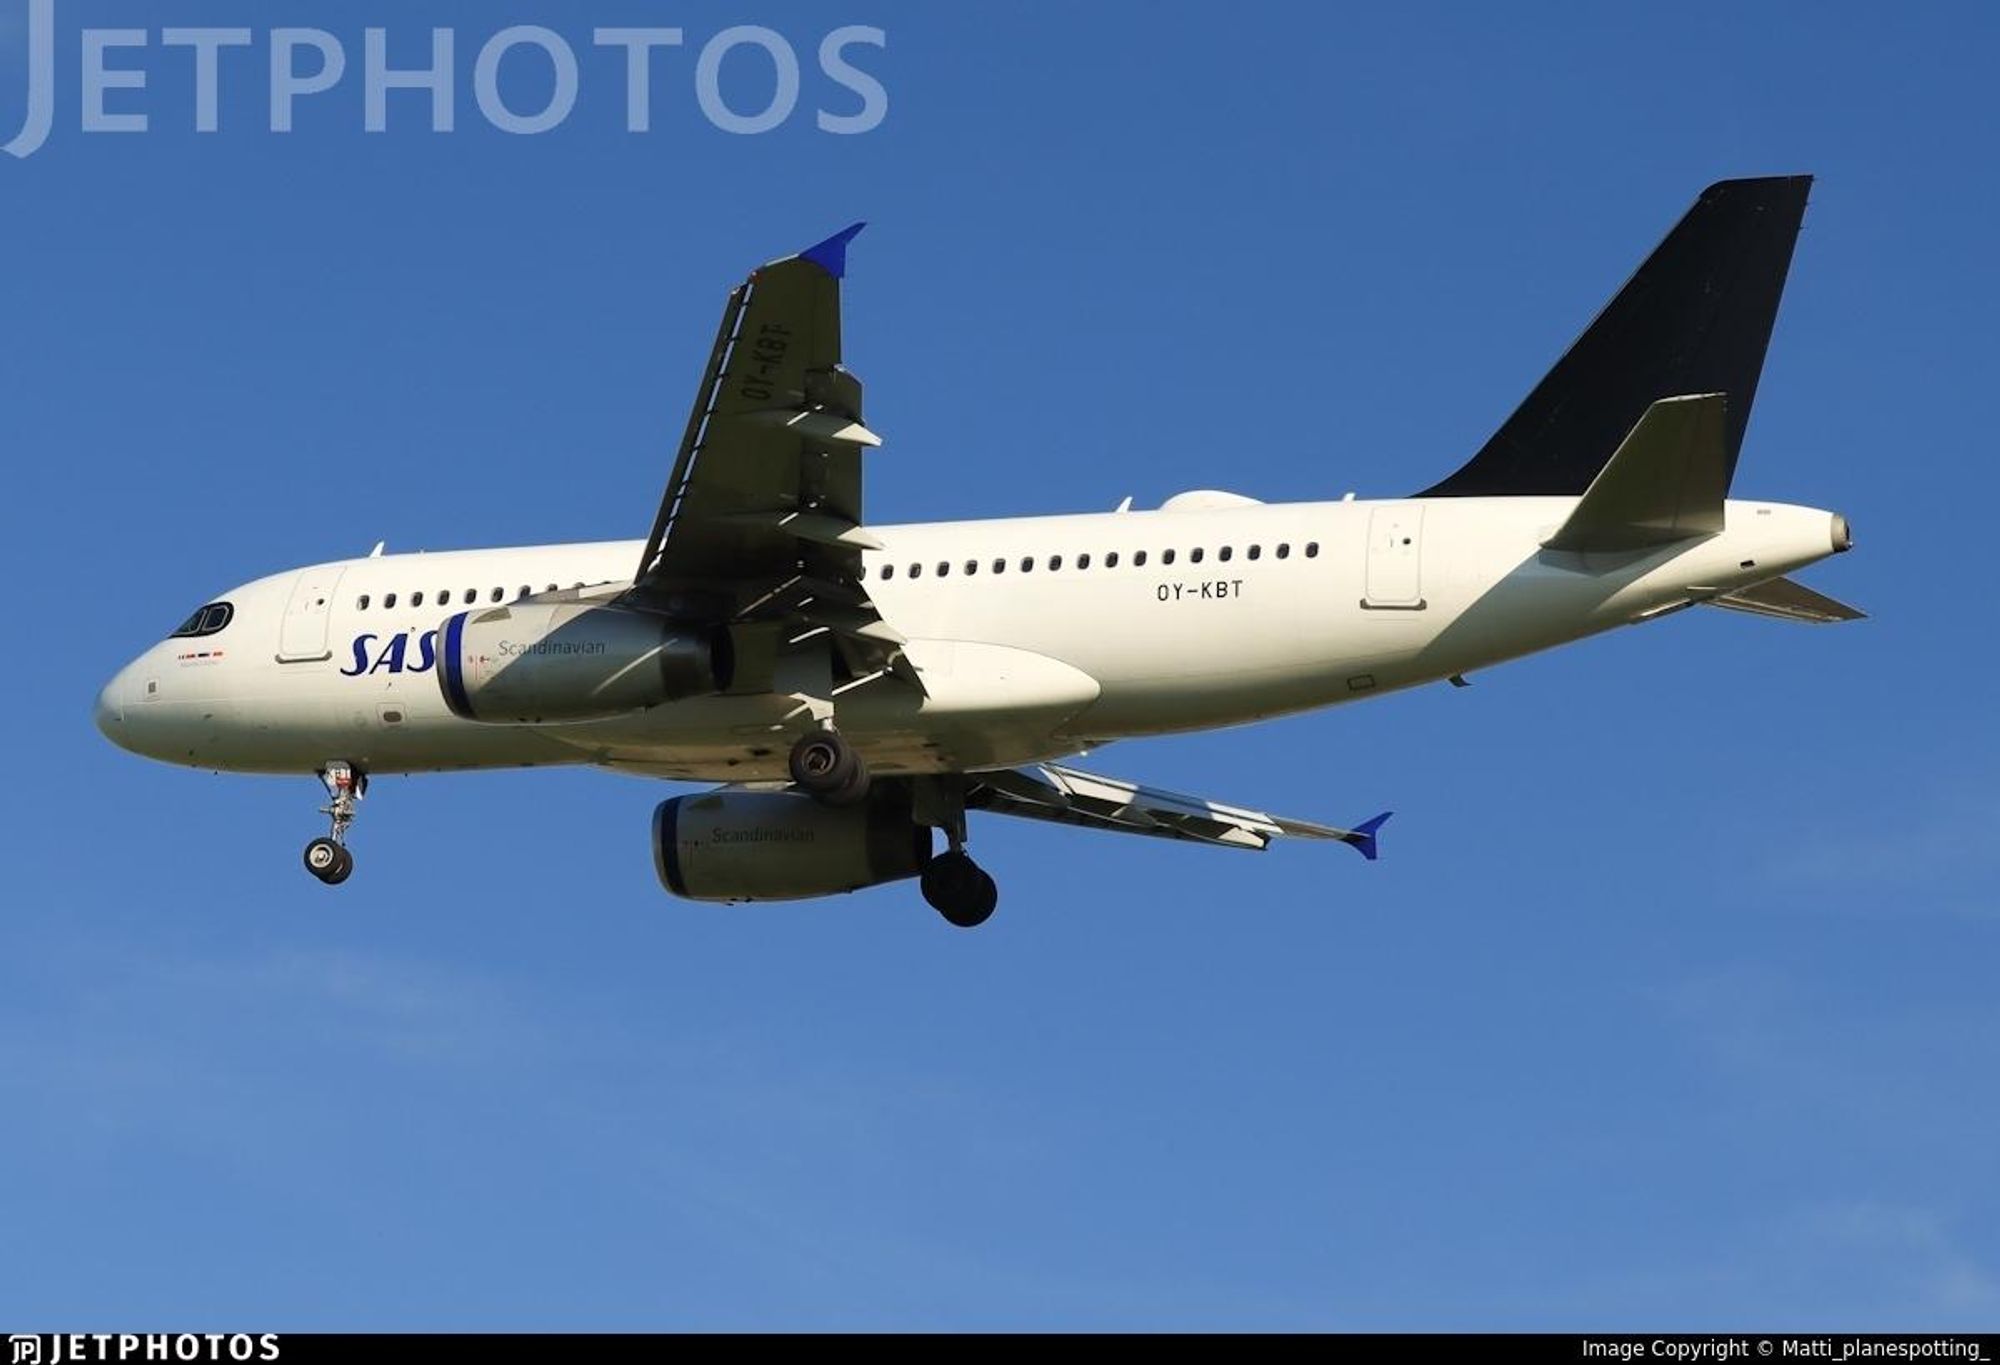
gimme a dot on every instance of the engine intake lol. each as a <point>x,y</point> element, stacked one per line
<point>781,846</point>
<point>532,663</point>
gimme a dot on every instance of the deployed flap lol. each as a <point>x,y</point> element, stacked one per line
<point>1695,318</point>
<point>1665,482</point>
<point>1788,601</point>
<point>1067,796</point>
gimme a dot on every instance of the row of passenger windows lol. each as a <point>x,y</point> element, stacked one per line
<point>444,599</point>
<point>1110,560</point>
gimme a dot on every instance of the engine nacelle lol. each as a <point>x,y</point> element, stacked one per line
<point>535,662</point>
<point>781,846</point>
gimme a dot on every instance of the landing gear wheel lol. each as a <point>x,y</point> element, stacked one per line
<point>826,766</point>
<point>328,861</point>
<point>327,858</point>
<point>960,890</point>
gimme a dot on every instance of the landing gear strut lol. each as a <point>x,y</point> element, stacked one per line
<point>327,858</point>
<point>956,887</point>
<point>825,765</point>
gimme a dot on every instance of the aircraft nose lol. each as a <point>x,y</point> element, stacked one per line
<point>109,712</point>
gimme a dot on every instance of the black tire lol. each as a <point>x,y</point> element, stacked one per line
<point>958,889</point>
<point>854,791</point>
<point>323,858</point>
<point>343,871</point>
<point>825,764</point>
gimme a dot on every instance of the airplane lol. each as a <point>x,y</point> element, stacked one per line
<point>855,689</point>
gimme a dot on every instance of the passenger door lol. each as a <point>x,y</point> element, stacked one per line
<point>303,635</point>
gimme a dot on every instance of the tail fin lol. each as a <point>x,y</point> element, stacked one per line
<point>1695,319</point>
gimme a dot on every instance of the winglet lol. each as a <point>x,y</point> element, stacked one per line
<point>1362,836</point>
<point>831,255</point>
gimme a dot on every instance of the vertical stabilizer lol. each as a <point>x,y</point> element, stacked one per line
<point>1695,319</point>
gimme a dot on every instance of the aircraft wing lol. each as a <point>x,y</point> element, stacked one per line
<point>1067,796</point>
<point>761,518</point>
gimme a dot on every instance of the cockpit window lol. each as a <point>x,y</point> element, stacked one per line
<point>209,620</point>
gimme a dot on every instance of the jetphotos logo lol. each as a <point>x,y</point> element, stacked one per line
<point>525,79</point>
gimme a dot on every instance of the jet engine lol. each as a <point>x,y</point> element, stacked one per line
<point>533,662</point>
<point>781,846</point>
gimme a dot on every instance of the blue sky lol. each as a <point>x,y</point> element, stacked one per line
<point>1670,1001</point>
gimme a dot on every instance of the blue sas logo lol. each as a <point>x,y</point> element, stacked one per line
<point>393,656</point>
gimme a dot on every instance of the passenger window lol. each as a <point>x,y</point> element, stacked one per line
<point>1111,560</point>
<point>1256,552</point>
<point>499,594</point>
<point>972,566</point>
<point>416,599</point>
<point>888,571</point>
<point>1194,555</point>
<point>999,566</point>
<point>1027,564</point>
<point>1083,561</point>
<point>1055,562</point>
<point>527,591</point>
<point>362,603</point>
<point>1138,559</point>
<point>916,571</point>
<point>1312,549</point>
<point>1166,556</point>
<point>943,568</point>
<point>1284,551</point>
<point>389,602</point>
<point>1224,553</point>
<point>552,587</point>
<point>471,596</point>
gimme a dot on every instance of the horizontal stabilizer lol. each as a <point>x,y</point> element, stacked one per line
<point>1666,482</point>
<point>1788,601</point>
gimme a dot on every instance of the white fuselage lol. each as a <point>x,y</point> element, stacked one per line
<point>1212,611</point>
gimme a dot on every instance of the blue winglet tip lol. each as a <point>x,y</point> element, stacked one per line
<point>831,255</point>
<point>1364,835</point>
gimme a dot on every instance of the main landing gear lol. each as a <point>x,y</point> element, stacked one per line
<point>960,890</point>
<point>827,767</point>
<point>328,858</point>
<point>956,887</point>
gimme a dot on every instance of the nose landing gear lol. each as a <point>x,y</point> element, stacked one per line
<point>327,858</point>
